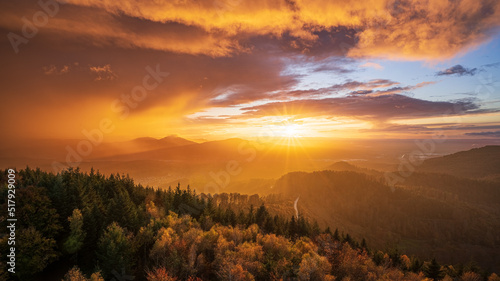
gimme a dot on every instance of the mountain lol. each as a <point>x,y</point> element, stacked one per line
<point>192,152</point>
<point>342,166</point>
<point>152,143</point>
<point>346,166</point>
<point>53,149</point>
<point>477,163</point>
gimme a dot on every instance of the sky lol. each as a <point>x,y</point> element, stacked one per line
<point>219,69</point>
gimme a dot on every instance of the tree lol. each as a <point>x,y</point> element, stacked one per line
<point>314,267</point>
<point>261,215</point>
<point>336,235</point>
<point>433,270</point>
<point>493,277</point>
<point>234,272</point>
<point>416,265</point>
<point>114,250</point>
<point>470,276</point>
<point>75,274</point>
<point>35,252</point>
<point>292,227</point>
<point>77,235</point>
<point>35,209</point>
<point>160,274</point>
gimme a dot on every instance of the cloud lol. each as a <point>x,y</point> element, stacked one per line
<point>429,128</point>
<point>429,30</point>
<point>368,108</point>
<point>103,72</point>
<point>92,26</point>
<point>225,53</point>
<point>240,94</point>
<point>404,29</point>
<point>372,65</point>
<point>53,70</point>
<point>495,64</point>
<point>457,70</point>
<point>493,134</point>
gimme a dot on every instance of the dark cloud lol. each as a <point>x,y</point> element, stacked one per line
<point>369,108</point>
<point>495,64</point>
<point>457,70</point>
<point>384,127</point>
<point>493,134</point>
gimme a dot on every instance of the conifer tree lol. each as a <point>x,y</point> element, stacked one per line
<point>433,270</point>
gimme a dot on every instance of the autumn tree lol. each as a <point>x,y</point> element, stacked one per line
<point>470,276</point>
<point>160,274</point>
<point>315,268</point>
<point>74,274</point>
<point>494,277</point>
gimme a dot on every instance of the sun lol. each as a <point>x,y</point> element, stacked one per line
<point>290,131</point>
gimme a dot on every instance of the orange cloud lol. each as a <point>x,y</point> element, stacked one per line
<point>436,29</point>
<point>99,27</point>
<point>403,29</point>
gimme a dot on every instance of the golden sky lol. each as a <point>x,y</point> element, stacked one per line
<point>235,68</point>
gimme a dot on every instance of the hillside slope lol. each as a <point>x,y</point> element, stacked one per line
<point>477,163</point>
<point>454,224</point>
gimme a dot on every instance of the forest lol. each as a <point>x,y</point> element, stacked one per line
<point>89,226</point>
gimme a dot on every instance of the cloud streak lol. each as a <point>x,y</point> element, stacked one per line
<point>492,134</point>
<point>375,109</point>
<point>457,70</point>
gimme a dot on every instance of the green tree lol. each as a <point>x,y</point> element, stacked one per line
<point>76,237</point>
<point>115,251</point>
<point>35,252</point>
<point>35,209</point>
<point>416,265</point>
<point>261,215</point>
<point>336,235</point>
<point>433,270</point>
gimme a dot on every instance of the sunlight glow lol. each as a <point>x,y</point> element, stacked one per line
<point>290,131</point>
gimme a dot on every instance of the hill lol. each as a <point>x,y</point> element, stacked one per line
<point>343,166</point>
<point>477,163</point>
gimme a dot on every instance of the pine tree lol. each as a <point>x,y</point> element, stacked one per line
<point>433,270</point>
<point>363,244</point>
<point>292,228</point>
<point>260,216</point>
<point>416,265</point>
<point>336,235</point>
